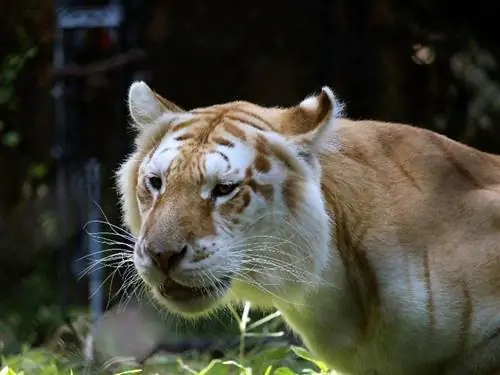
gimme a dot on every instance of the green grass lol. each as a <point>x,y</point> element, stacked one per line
<point>261,360</point>
<point>271,361</point>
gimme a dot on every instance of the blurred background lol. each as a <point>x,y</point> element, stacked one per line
<point>65,67</point>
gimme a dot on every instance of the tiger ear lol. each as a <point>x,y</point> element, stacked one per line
<point>146,106</point>
<point>314,120</point>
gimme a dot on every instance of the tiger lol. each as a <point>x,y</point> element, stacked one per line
<point>378,242</point>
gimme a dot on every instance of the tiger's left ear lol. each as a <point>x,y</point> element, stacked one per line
<point>313,121</point>
<point>147,106</point>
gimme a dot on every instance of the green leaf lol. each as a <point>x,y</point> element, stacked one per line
<point>11,139</point>
<point>283,371</point>
<point>50,369</point>
<point>10,73</point>
<point>31,52</point>
<point>15,62</point>
<point>209,367</point>
<point>268,370</point>
<point>246,370</point>
<point>183,366</point>
<point>270,355</point>
<point>37,171</point>
<point>6,94</point>
<point>7,371</point>
<point>304,354</point>
<point>218,367</point>
<point>129,372</point>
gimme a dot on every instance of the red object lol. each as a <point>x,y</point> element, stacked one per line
<point>104,40</point>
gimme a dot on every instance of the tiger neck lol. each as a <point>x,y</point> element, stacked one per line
<point>346,303</point>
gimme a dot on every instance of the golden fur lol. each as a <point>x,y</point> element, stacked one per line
<point>399,270</point>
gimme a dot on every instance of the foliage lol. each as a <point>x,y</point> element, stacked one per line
<point>28,317</point>
<point>39,362</point>
<point>271,360</point>
<point>10,70</point>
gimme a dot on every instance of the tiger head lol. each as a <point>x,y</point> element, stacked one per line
<point>225,202</point>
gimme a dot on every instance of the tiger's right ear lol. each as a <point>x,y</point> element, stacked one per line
<point>146,106</point>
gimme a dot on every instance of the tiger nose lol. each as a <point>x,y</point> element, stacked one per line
<point>166,260</point>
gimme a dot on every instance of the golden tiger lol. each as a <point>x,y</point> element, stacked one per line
<point>378,242</point>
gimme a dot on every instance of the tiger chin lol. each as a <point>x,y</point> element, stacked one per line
<point>347,227</point>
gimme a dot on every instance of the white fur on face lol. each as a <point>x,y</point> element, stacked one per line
<point>162,157</point>
<point>168,149</point>
<point>270,251</point>
<point>226,165</point>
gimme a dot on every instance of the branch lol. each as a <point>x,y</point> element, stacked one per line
<point>102,66</point>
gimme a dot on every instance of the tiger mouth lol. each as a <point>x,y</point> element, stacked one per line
<point>175,291</point>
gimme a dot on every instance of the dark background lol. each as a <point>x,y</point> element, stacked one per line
<point>433,64</point>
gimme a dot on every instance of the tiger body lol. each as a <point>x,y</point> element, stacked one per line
<point>378,242</point>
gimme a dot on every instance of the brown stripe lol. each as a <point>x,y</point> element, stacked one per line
<point>200,166</point>
<point>246,122</point>
<point>256,117</point>
<point>361,276</point>
<point>223,142</point>
<point>266,191</point>
<point>370,282</point>
<point>292,188</point>
<point>167,103</point>
<point>428,287</point>
<point>407,174</point>
<point>457,164</point>
<point>388,148</point>
<point>358,156</point>
<point>222,155</point>
<point>153,151</point>
<point>184,124</point>
<point>184,137</point>
<point>283,155</point>
<point>245,201</point>
<point>466,317</point>
<point>235,131</point>
<point>262,164</point>
<point>407,263</point>
<point>261,144</point>
<point>166,149</point>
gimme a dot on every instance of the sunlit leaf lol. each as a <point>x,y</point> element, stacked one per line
<point>283,371</point>
<point>7,371</point>
<point>304,354</point>
<point>128,372</point>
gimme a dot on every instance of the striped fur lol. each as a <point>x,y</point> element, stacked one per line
<point>379,242</point>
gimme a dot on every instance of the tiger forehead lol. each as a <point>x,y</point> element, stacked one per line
<point>261,118</point>
<point>213,141</point>
<point>198,164</point>
<point>191,164</point>
<point>218,124</point>
<point>209,130</point>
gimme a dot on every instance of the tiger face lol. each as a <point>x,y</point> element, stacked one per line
<point>225,201</point>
